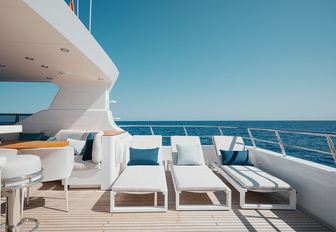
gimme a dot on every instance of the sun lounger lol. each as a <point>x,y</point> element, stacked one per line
<point>142,179</point>
<point>196,178</point>
<point>249,178</point>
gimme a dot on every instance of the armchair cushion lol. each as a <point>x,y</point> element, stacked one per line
<point>78,145</point>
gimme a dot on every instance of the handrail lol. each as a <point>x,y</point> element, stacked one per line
<point>277,132</point>
<point>329,137</point>
<point>232,127</point>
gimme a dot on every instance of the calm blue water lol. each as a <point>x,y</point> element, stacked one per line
<point>312,142</point>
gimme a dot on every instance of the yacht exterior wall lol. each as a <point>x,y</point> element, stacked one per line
<point>315,183</point>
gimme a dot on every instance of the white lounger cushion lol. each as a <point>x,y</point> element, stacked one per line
<point>186,140</point>
<point>253,178</point>
<point>196,178</point>
<point>141,178</point>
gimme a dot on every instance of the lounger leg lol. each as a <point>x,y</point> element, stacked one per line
<point>66,195</point>
<point>177,200</point>
<point>290,206</point>
<point>242,199</point>
<point>112,201</point>
<point>228,198</point>
<point>292,199</point>
<point>155,199</point>
<point>165,196</point>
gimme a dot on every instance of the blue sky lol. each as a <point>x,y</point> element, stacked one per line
<point>211,60</point>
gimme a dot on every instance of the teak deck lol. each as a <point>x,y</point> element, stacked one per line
<point>89,211</point>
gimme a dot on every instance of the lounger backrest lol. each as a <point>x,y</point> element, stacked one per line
<point>148,142</point>
<point>228,143</point>
<point>187,140</point>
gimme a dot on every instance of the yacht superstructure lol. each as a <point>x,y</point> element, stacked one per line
<point>43,41</point>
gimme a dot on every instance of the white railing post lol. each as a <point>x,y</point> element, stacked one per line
<point>90,16</point>
<point>251,137</point>
<point>331,147</point>
<point>151,129</point>
<point>185,130</point>
<point>220,131</point>
<point>281,144</point>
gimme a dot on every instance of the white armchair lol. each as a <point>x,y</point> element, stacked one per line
<point>57,164</point>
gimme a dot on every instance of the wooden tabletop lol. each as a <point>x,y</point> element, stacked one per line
<point>113,133</point>
<point>18,145</point>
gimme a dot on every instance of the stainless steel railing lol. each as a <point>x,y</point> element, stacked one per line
<point>277,133</point>
<point>8,119</point>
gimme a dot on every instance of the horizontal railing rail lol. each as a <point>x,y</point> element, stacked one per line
<point>277,132</point>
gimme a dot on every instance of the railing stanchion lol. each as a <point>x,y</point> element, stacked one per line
<point>331,147</point>
<point>151,129</point>
<point>220,131</point>
<point>185,131</point>
<point>17,118</point>
<point>251,137</point>
<point>281,144</point>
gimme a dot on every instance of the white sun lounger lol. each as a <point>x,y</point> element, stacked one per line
<point>250,178</point>
<point>142,179</point>
<point>198,179</point>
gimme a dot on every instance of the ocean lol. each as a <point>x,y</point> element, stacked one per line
<point>311,142</point>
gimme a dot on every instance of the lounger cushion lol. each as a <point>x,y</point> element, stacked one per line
<point>143,156</point>
<point>188,154</point>
<point>235,158</point>
<point>253,178</point>
<point>141,179</point>
<point>196,178</point>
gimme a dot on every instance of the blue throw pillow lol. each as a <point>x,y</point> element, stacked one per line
<point>45,137</point>
<point>143,156</point>
<point>30,136</point>
<point>87,151</point>
<point>235,158</point>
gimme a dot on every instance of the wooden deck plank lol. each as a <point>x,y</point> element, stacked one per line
<point>89,211</point>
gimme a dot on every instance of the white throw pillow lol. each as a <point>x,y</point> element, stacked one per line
<point>188,154</point>
<point>78,145</point>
